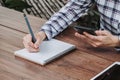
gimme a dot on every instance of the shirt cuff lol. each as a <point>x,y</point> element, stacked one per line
<point>47,34</point>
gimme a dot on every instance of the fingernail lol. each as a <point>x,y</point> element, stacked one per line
<point>84,33</point>
<point>36,46</point>
<point>75,34</point>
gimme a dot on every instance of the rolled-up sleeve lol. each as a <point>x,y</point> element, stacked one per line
<point>72,11</point>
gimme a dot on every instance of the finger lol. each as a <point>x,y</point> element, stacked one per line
<point>93,43</point>
<point>31,44</point>
<point>24,43</point>
<point>85,39</point>
<point>38,41</point>
<point>30,49</point>
<point>27,39</point>
<point>98,32</point>
<point>80,36</point>
<point>89,36</point>
<point>102,32</point>
<point>28,44</point>
<point>90,42</point>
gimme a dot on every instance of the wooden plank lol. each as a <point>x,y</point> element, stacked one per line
<point>81,64</point>
<point>14,70</point>
<point>72,66</point>
<point>13,19</point>
<point>18,69</point>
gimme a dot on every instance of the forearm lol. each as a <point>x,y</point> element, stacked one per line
<point>116,41</point>
<point>42,35</point>
<point>117,47</point>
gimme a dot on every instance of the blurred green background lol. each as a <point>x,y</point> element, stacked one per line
<point>89,20</point>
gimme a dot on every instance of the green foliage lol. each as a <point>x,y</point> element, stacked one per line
<point>18,5</point>
<point>91,19</point>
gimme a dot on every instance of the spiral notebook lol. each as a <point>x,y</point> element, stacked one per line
<point>49,50</point>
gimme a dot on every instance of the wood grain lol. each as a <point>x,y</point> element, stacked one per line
<point>80,64</point>
<point>11,19</point>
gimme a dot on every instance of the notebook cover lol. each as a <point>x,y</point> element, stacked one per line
<point>49,50</point>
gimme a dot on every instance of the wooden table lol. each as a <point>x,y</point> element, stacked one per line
<point>80,64</point>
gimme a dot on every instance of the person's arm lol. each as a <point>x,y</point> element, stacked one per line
<point>57,23</point>
<point>67,15</point>
<point>117,48</point>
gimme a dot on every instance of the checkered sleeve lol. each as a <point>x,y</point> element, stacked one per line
<point>65,16</point>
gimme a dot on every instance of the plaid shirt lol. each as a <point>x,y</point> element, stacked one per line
<point>74,9</point>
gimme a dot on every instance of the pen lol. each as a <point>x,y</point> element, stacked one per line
<point>30,29</point>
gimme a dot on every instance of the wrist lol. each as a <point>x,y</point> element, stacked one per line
<point>42,35</point>
<point>116,41</point>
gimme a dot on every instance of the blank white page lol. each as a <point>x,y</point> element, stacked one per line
<point>49,50</point>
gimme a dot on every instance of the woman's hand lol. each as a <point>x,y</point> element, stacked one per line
<point>103,39</point>
<point>33,47</point>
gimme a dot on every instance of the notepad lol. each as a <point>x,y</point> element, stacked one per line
<point>110,73</point>
<point>49,50</point>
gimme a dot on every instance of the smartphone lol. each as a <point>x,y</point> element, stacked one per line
<point>81,29</point>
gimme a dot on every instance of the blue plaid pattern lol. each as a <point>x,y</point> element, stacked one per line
<point>74,9</point>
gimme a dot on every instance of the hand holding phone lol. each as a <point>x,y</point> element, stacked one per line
<point>81,29</point>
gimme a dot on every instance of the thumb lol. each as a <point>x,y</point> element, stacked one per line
<point>102,32</point>
<point>38,41</point>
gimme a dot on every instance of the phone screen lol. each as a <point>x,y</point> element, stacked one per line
<point>81,29</point>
